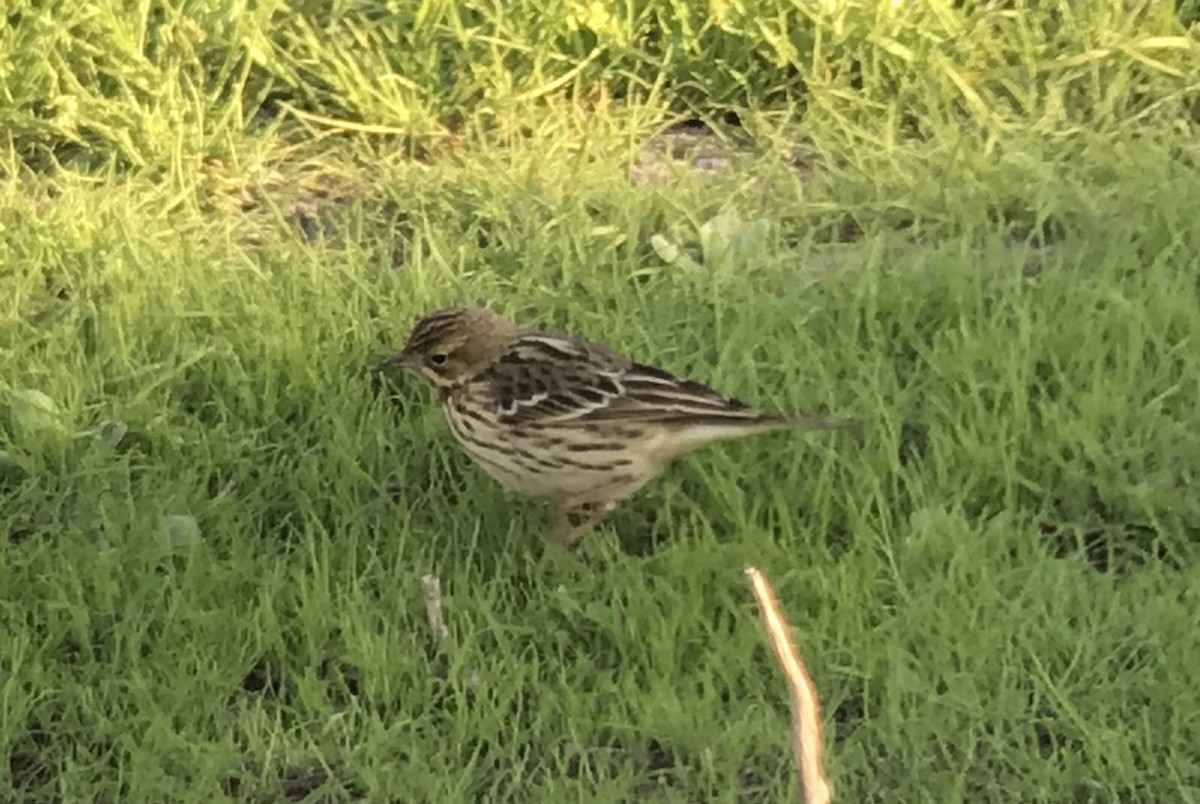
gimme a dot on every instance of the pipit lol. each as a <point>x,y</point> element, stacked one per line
<point>558,418</point>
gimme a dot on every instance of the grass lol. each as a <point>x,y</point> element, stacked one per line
<point>970,227</point>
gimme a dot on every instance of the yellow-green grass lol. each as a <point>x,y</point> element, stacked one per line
<point>214,517</point>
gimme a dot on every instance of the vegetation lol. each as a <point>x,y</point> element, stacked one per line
<point>970,225</point>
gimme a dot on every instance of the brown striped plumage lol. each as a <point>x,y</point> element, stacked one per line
<point>575,423</point>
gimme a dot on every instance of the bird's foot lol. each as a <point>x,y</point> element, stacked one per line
<point>569,524</point>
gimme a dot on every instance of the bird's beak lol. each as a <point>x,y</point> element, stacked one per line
<point>398,360</point>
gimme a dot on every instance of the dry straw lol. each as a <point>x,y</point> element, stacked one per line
<point>431,593</point>
<point>806,709</point>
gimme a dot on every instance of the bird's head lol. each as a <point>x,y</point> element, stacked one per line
<point>450,345</point>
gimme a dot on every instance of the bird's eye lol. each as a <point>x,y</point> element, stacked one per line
<point>438,359</point>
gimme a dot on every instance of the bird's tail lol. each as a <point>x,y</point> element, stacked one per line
<point>814,421</point>
<point>698,431</point>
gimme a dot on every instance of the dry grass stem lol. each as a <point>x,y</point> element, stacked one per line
<point>806,708</point>
<point>431,591</point>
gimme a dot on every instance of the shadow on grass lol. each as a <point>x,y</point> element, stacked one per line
<point>1110,547</point>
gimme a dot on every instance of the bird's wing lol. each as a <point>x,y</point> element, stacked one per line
<point>544,377</point>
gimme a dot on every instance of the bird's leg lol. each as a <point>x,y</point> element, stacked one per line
<point>566,533</point>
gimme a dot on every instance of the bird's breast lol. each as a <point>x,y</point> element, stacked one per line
<point>548,461</point>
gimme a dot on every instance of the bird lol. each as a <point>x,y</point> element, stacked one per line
<point>572,422</point>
